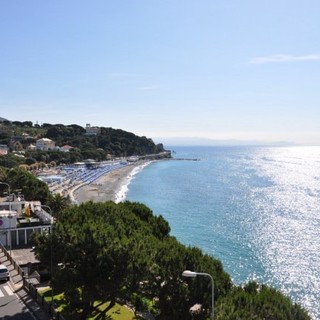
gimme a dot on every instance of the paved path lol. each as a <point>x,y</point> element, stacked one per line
<point>16,283</point>
<point>11,306</point>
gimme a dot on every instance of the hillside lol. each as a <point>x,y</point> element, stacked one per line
<point>3,119</point>
<point>97,143</point>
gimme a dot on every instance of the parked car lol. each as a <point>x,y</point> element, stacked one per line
<point>4,273</point>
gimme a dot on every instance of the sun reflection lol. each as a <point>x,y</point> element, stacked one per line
<point>288,236</point>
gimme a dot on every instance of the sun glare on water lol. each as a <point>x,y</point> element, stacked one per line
<point>289,239</point>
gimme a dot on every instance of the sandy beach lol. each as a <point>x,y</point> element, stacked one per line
<point>109,186</point>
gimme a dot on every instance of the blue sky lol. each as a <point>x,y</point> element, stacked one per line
<point>214,69</point>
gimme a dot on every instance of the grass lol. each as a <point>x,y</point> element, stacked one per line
<point>118,312</point>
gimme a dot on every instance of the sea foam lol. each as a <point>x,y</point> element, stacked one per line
<point>122,193</point>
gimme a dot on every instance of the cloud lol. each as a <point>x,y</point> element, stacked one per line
<point>284,58</point>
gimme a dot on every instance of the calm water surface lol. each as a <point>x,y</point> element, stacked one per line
<point>256,209</point>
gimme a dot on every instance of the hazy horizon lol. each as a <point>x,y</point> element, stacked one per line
<point>194,141</point>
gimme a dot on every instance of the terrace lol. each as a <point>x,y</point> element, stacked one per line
<point>19,219</point>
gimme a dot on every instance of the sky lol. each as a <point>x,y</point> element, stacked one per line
<point>200,70</point>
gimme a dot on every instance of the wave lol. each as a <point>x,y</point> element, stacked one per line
<point>121,195</point>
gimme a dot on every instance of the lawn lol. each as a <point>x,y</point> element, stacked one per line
<point>118,312</point>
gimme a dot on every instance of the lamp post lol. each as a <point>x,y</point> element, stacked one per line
<point>51,264</point>
<point>9,216</point>
<point>192,274</point>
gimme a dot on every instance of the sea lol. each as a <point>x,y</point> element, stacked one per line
<point>257,209</point>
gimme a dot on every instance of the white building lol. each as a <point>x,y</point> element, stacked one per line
<point>92,131</point>
<point>45,144</point>
<point>19,219</point>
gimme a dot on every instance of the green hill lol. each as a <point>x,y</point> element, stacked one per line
<point>103,144</point>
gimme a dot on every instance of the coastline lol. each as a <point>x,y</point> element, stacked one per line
<point>113,186</point>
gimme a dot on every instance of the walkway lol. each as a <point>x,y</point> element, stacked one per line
<point>17,284</point>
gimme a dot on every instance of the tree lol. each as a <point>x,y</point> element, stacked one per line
<point>114,251</point>
<point>5,135</point>
<point>31,187</point>
<point>177,295</point>
<point>30,161</point>
<point>3,174</point>
<point>94,242</point>
<point>58,203</point>
<point>110,141</point>
<point>159,226</point>
<point>17,123</point>
<point>10,161</point>
<point>254,301</point>
<point>27,124</point>
<point>17,146</point>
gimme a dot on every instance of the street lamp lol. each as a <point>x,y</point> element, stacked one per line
<point>192,274</point>
<point>9,216</point>
<point>51,268</point>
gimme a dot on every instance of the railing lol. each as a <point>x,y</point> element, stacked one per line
<point>12,261</point>
<point>33,291</point>
<point>42,214</point>
<point>25,240</point>
<point>48,307</point>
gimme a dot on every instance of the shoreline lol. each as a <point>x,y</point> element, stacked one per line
<point>113,186</point>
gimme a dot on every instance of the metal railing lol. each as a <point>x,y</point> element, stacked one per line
<point>12,261</point>
<point>48,307</point>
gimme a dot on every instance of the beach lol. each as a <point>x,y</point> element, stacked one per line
<point>110,187</point>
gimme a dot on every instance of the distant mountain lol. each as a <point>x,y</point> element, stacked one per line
<point>193,141</point>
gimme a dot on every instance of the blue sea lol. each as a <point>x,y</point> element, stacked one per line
<point>257,209</point>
